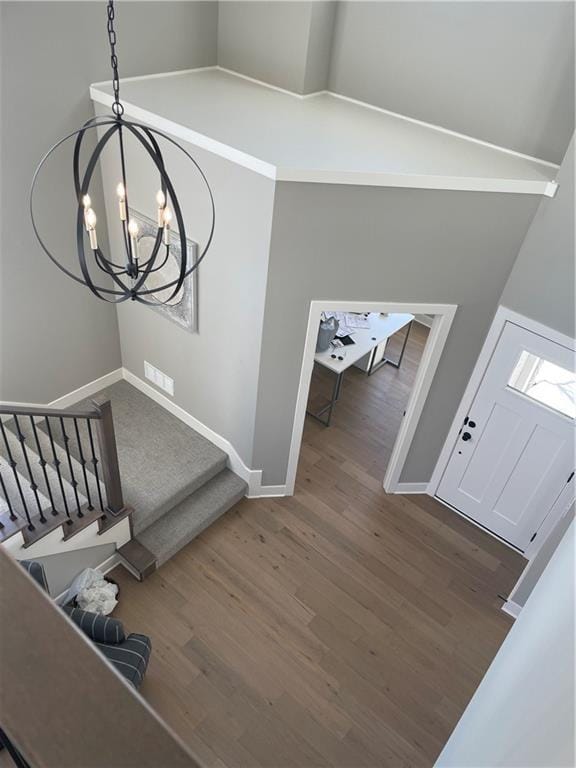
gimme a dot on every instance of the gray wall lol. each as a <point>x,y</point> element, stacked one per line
<point>62,569</point>
<point>499,71</point>
<point>405,244</point>
<point>523,711</point>
<point>339,242</point>
<point>536,566</point>
<point>322,22</point>
<point>54,337</point>
<point>542,283</point>
<point>215,371</point>
<point>542,287</point>
<point>283,43</point>
<point>502,72</point>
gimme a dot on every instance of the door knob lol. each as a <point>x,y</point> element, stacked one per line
<point>466,436</point>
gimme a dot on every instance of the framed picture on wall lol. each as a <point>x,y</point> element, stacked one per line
<point>182,308</point>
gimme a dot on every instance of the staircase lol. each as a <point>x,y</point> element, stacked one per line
<point>64,468</point>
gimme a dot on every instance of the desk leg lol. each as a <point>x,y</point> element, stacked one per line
<point>385,361</point>
<point>336,389</point>
<point>338,386</point>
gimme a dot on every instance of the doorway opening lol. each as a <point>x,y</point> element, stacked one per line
<point>370,406</point>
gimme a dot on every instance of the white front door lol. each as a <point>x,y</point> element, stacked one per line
<point>514,455</point>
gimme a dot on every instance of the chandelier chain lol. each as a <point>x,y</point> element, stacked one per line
<point>117,107</point>
<point>127,281</point>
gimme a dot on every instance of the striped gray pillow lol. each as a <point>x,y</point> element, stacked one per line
<point>36,570</point>
<point>101,629</point>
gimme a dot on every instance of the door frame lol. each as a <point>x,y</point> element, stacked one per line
<point>443,317</point>
<point>503,315</point>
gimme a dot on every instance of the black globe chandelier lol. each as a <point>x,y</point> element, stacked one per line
<point>127,274</point>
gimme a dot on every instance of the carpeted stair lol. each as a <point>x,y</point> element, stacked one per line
<point>176,481</point>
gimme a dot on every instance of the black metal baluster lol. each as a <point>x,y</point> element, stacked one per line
<point>17,758</point>
<point>42,462</point>
<point>57,468</point>
<point>11,512</point>
<point>5,496</point>
<point>33,485</point>
<point>95,464</point>
<point>83,463</point>
<point>73,481</point>
<point>12,464</point>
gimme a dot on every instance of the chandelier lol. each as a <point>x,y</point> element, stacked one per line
<point>127,273</point>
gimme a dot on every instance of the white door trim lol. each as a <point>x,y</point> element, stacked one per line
<point>503,315</point>
<point>443,317</point>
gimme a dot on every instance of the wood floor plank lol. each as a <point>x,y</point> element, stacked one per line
<point>339,628</point>
<point>227,748</point>
<point>282,624</point>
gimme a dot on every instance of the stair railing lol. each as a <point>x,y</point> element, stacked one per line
<point>30,472</point>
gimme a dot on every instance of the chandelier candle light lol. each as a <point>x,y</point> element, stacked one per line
<point>126,275</point>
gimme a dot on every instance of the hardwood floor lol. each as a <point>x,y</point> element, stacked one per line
<point>339,627</point>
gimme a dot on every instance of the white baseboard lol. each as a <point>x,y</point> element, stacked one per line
<point>128,567</point>
<point>87,390</point>
<point>268,491</point>
<point>512,609</point>
<point>406,488</point>
<point>109,564</point>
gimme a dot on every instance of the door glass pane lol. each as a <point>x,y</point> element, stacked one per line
<point>546,383</point>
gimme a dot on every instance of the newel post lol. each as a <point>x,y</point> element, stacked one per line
<point>109,458</point>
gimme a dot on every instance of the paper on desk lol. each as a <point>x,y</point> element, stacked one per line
<point>356,321</point>
<point>349,319</point>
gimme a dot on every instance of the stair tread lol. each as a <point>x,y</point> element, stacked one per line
<point>78,524</point>
<point>162,460</point>
<point>41,529</point>
<point>9,527</point>
<point>175,479</point>
<point>189,518</point>
<point>138,557</point>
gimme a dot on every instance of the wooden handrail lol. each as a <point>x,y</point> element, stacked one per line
<point>33,410</point>
<point>61,703</point>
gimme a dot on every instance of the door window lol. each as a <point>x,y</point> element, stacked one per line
<point>545,382</point>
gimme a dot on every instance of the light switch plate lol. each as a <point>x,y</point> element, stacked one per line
<point>168,384</point>
<point>158,378</point>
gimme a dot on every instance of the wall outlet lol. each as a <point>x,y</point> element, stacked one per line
<point>160,379</point>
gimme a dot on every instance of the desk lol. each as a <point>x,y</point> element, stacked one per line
<point>366,342</point>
